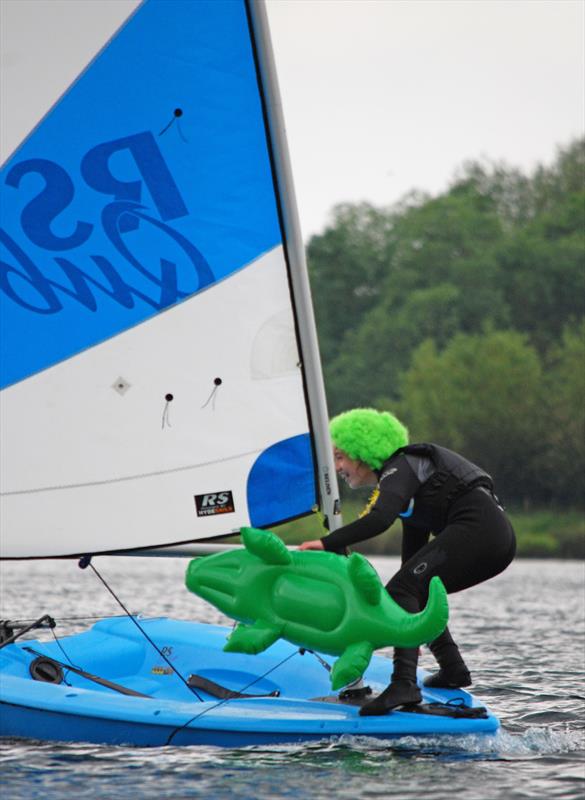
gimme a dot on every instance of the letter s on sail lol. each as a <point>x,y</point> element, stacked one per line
<point>39,213</point>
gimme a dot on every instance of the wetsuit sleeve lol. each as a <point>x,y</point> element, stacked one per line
<point>397,486</point>
<point>412,540</point>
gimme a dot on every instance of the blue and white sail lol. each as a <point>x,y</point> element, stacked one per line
<point>154,368</point>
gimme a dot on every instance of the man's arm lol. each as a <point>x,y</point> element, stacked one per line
<point>397,486</point>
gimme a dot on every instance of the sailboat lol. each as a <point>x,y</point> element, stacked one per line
<point>161,386</point>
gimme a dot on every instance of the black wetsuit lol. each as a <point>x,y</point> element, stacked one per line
<point>436,491</point>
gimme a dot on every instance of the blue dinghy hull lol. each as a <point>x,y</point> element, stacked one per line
<point>80,709</point>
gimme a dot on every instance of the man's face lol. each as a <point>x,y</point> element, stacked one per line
<point>355,473</point>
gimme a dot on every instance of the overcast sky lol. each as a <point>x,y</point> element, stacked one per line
<point>384,96</point>
<point>380,96</point>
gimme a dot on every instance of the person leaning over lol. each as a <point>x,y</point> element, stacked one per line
<point>437,493</point>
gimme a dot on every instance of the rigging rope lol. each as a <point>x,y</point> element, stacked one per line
<point>77,618</point>
<point>227,699</point>
<point>62,649</point>
<point>86,562</point>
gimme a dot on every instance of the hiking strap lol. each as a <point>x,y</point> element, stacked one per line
<point>215,689</point>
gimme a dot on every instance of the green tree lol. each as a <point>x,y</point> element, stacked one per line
<point>441,278</point>
<point>543,282</point>
<point>553,186</point>
<point>560,474</point>
<point>346,266</point>
<point>480,396</point>
<point>376,354</point>
<point>466,311</point>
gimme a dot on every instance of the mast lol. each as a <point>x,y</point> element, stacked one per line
<point>328,487</point>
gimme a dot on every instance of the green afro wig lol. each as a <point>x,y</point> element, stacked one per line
<point>368,435</point>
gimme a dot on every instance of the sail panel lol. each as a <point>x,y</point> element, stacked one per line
<point>147,182</point>
<point>279,483</point>
<point>114,446</point>
<point>153,386</point>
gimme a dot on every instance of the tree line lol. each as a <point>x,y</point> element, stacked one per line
<point>464,314</point>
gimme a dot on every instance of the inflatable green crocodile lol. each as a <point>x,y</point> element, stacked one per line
<point>318,600</point>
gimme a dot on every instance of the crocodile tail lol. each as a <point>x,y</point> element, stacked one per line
<point>429,623</point>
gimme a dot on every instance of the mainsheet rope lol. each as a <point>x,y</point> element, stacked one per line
<point>227,699</point>
<point>62,649</point>
<point>86,562</point>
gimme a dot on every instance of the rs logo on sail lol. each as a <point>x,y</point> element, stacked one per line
<point>214,503</point>
<point>25,282</point>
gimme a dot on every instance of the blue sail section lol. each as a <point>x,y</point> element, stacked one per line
<point>149,181</point>
<point>281,484</point>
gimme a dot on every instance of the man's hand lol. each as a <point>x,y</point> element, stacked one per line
<point>315,544</point>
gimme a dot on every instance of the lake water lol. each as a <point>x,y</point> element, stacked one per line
<point>522,634</point>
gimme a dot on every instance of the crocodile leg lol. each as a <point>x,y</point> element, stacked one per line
<point>351,665</point>
<point>252,638</point>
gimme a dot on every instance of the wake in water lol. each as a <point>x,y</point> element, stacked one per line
<point>503,745</point>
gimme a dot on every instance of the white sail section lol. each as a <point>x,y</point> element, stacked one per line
<point>127,463</point>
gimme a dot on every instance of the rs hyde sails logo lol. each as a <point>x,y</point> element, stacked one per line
<point>54,220</point>
<point>214,503</point>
